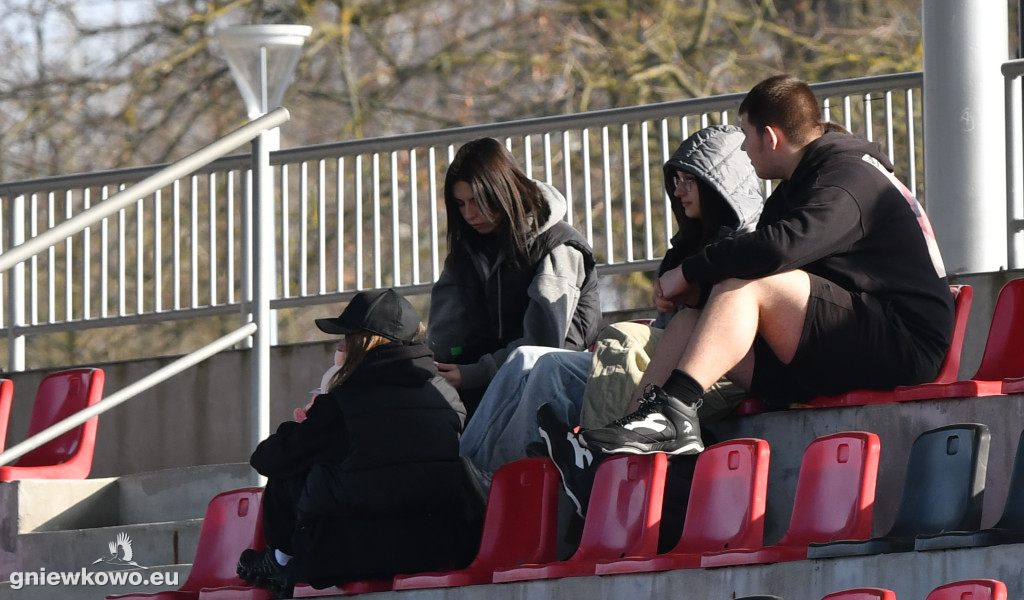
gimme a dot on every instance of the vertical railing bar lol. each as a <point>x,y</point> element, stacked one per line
<point>627,201</point>
<point>666,149</point>
<point>33,263</point>
<point>193,240</point>
<point>588,213</point>
<point>211,195</point>
<point>606,176</point>
<point>321,221</point>
<point>51,288</point>
<point>140,257</point>
<point>286,232</point>
<point>527,156</point>
<point>414,208</point>
<point>645,157</point>
<point>396,245</point>
<point>229,243</point>
<point>375,173</point>
<point>104,259</point>
<point>869,125</point>
<point>158,278</point>
<point>86,260</point>
<point>340,251</point>
<point>548,177</point>
<point>567,175</point>
<point>847,113</point>
<point>435,256</point>
<point>358,221</point>
<point>826,109</point>
<point>911,155</point>
<point>176,240</point>
<point>889,139</point>
<point>122,259</point>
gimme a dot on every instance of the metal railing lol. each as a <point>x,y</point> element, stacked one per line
<point>368,213</point>
<point>257,299</point>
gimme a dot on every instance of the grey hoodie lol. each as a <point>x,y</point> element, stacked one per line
<point>477,319</point>
<point>713,155</point>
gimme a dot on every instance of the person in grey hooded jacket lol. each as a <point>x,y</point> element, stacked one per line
<point>516,272</point>
<point>710,167</point>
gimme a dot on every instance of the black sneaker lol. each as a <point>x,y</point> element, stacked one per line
<point>576,463</point>
<point>261,569</point>
<point>662,423</point>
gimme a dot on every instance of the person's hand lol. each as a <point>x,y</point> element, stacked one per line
<point>339,355</point>
<point>661,303</point>
<point>300,413</point>
<point>451,373</point>
<point>674,287</point>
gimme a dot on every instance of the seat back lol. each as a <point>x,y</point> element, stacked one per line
<point>624,512</point>
<point>6,398</point>
<point>232,524</point>
<point>944,487</point>
<point>970,589</point>
<point>521,520</point>
<point>1013,508</point>
<point>727,498</point>
<point>835,489</point>
<point>1003,356</point>
<point>862,594</point>
<point>963,296</point>
<point>59,396</point>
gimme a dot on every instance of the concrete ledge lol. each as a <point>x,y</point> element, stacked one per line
<point>54,504</point>
<point>178,494</point>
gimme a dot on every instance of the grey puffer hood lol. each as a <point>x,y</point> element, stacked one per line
<point>713,154</point>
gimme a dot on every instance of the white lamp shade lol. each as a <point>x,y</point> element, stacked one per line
<point>262,59</point>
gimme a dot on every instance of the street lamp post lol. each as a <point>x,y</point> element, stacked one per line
<point>262,59</point>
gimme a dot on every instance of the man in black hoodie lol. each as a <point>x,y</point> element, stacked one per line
<point>839,287</point>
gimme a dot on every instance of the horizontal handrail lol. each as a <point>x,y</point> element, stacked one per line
<point>127,393</point>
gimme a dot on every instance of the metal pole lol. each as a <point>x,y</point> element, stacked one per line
<point>263,274</point>
<point>16,288</point>
<point>964,155</point>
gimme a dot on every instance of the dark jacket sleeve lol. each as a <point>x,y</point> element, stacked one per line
<point>821,223</point>
<point>295,447</point>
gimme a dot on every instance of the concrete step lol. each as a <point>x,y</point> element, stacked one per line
<point>167,543</point>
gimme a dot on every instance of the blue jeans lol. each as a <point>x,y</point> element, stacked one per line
<point>506,420</point>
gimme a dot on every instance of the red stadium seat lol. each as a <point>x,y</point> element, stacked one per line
<point>834,499</point>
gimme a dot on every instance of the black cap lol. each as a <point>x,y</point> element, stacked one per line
<point>384,312</point>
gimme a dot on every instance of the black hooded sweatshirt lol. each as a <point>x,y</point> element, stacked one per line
<point>843,216</point>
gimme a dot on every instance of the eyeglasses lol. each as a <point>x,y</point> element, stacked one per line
<point>687,183</point>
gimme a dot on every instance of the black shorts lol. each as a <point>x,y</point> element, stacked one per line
<point>850,340</point>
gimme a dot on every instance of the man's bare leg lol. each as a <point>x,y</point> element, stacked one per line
<point>737,310</point>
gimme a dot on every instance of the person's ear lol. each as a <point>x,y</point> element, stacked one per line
<point>774,136</point>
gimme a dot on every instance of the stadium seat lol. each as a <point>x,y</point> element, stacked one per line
<point>835,498</point>
<point>725,510</point>
<point>970,589</point>
<point>232,523</point>
<point>963,296</point>
<point>1002,358</point>
<point>520,526</point>
<point>1009,529</point>
<point>943,490</point>
<point>862,594</point>
<point>69,455</point>
<point>623,518</point>
<point>304,590</point>
<point>6,398</point>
